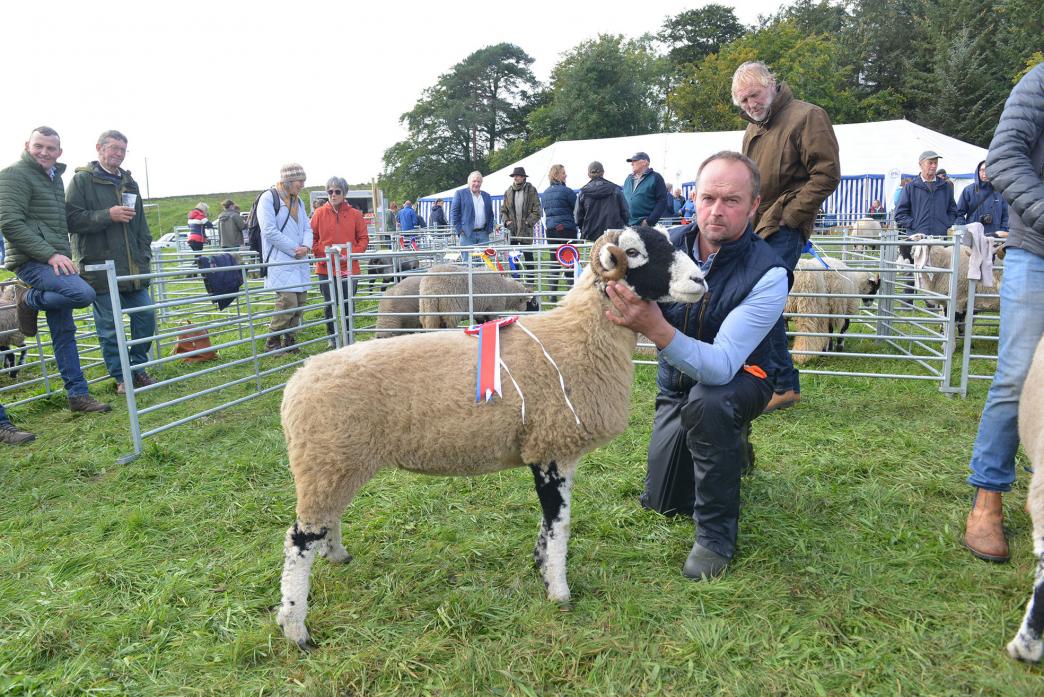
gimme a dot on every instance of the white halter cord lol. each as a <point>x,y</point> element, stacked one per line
<point>561,380</point>
<point>517,389</point>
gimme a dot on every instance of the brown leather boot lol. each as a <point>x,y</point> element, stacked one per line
<point>984,532</point>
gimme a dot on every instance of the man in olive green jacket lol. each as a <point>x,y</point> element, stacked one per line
<point>32,217</point>
<point>107,221</point>
<point>520,210</point>
<point>793,144</point>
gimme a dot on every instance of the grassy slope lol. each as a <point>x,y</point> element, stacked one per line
<point>173,211</point>
<point>158,577</point>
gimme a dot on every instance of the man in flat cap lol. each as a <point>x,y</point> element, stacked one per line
<point>645,192</point>
<point>520,210</point>
<point>926,204</point>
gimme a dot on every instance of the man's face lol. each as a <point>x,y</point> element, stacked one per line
<point>294,188</point>
<point>519,180</point>
<point>982,174</point>
<point>928,168</point>
<point>475,184</point>
<point>111,154</point>
<point>44,149</point>
<point>755,100</point>
<point>639,166</point>
<point>724,205</point>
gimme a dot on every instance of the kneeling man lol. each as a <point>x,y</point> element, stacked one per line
<point>711,382</point>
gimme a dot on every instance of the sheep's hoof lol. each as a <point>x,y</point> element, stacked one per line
<point>307,645</point>
<point>339,556</point>
<point>1023,648</point>
<point>564,605</point>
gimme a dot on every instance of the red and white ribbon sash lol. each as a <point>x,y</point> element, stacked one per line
<point>488,371</point>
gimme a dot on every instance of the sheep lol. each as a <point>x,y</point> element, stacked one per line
<point>9,334</point>
<point>444,298</point>
<point>398,312</point>
<point>939,256</point>
<point>834,283</point>
<point>390,268</point>
<point>1027,644</point>
<point>336,445</point>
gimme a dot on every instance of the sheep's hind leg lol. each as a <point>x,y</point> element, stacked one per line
<point>300,546</point>
<point>554,487</point>
<point>335,551</point>
<point>1027,644</point>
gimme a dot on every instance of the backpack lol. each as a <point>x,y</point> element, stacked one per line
<point>254,227</point>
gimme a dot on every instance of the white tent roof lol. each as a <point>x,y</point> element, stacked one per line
<point>866,148</point>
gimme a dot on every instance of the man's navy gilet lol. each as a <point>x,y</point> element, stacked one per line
<point>737,268</point>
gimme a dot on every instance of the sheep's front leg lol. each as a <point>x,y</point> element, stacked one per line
<point>300,546</point>
<point>554,487</point>
<point>1027,644</point>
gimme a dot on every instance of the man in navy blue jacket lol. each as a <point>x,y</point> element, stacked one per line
<point>471,214</point>
<point>926,204</point>
<point>711,381</point>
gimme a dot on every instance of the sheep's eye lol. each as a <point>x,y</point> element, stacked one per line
<point>633,253</point>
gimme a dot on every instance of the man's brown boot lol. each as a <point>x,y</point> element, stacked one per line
<point>984,532</point>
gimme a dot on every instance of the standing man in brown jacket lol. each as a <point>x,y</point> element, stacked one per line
<point>794,146</point>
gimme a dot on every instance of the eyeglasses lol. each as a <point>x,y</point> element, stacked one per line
<point>334,192</point>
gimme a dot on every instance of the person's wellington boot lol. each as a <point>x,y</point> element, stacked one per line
<point>984,532</point>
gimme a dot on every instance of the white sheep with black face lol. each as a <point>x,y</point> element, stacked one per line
<point>336,444</point>
<point>1027,644</point>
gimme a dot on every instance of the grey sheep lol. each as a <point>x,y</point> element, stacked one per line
<point>444,296</point>
<point>9,334</point>
<point>399,311</point>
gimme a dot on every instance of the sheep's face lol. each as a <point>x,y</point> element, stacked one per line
<point>655,270</point>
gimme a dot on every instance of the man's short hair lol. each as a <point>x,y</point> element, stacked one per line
<point>733,156</point>
<point>751,73</point>
<point>46,131</point>
<point>337,183</point>
<point>474,174</point>
<point>111,135</point>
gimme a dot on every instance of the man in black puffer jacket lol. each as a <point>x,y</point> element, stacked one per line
<point>600,206</point>
<point>1014,166</point>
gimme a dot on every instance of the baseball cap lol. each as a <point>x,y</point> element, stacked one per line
<point>638,156</point>
<point>928,155</point>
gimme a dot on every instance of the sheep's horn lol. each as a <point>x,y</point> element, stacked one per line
<point>618,271</point>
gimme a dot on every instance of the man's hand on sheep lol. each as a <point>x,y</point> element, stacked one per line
<point>642,316</point>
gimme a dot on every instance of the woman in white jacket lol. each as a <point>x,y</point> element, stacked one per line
<point>285,236</point>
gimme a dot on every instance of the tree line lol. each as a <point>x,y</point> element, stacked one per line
<point>945,64</point>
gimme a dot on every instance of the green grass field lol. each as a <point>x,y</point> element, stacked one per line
<point>159,577</point>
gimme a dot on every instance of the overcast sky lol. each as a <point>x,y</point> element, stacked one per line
<point>217,95</point>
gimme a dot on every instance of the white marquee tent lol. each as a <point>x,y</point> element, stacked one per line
<point>873,158</point>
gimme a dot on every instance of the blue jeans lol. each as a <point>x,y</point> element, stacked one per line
<point>58,296</point>
<point>142,325</point>
<point>3,416</point>
<point>1021,326</point>
<point>788,243</point>
<point>474,237</point>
